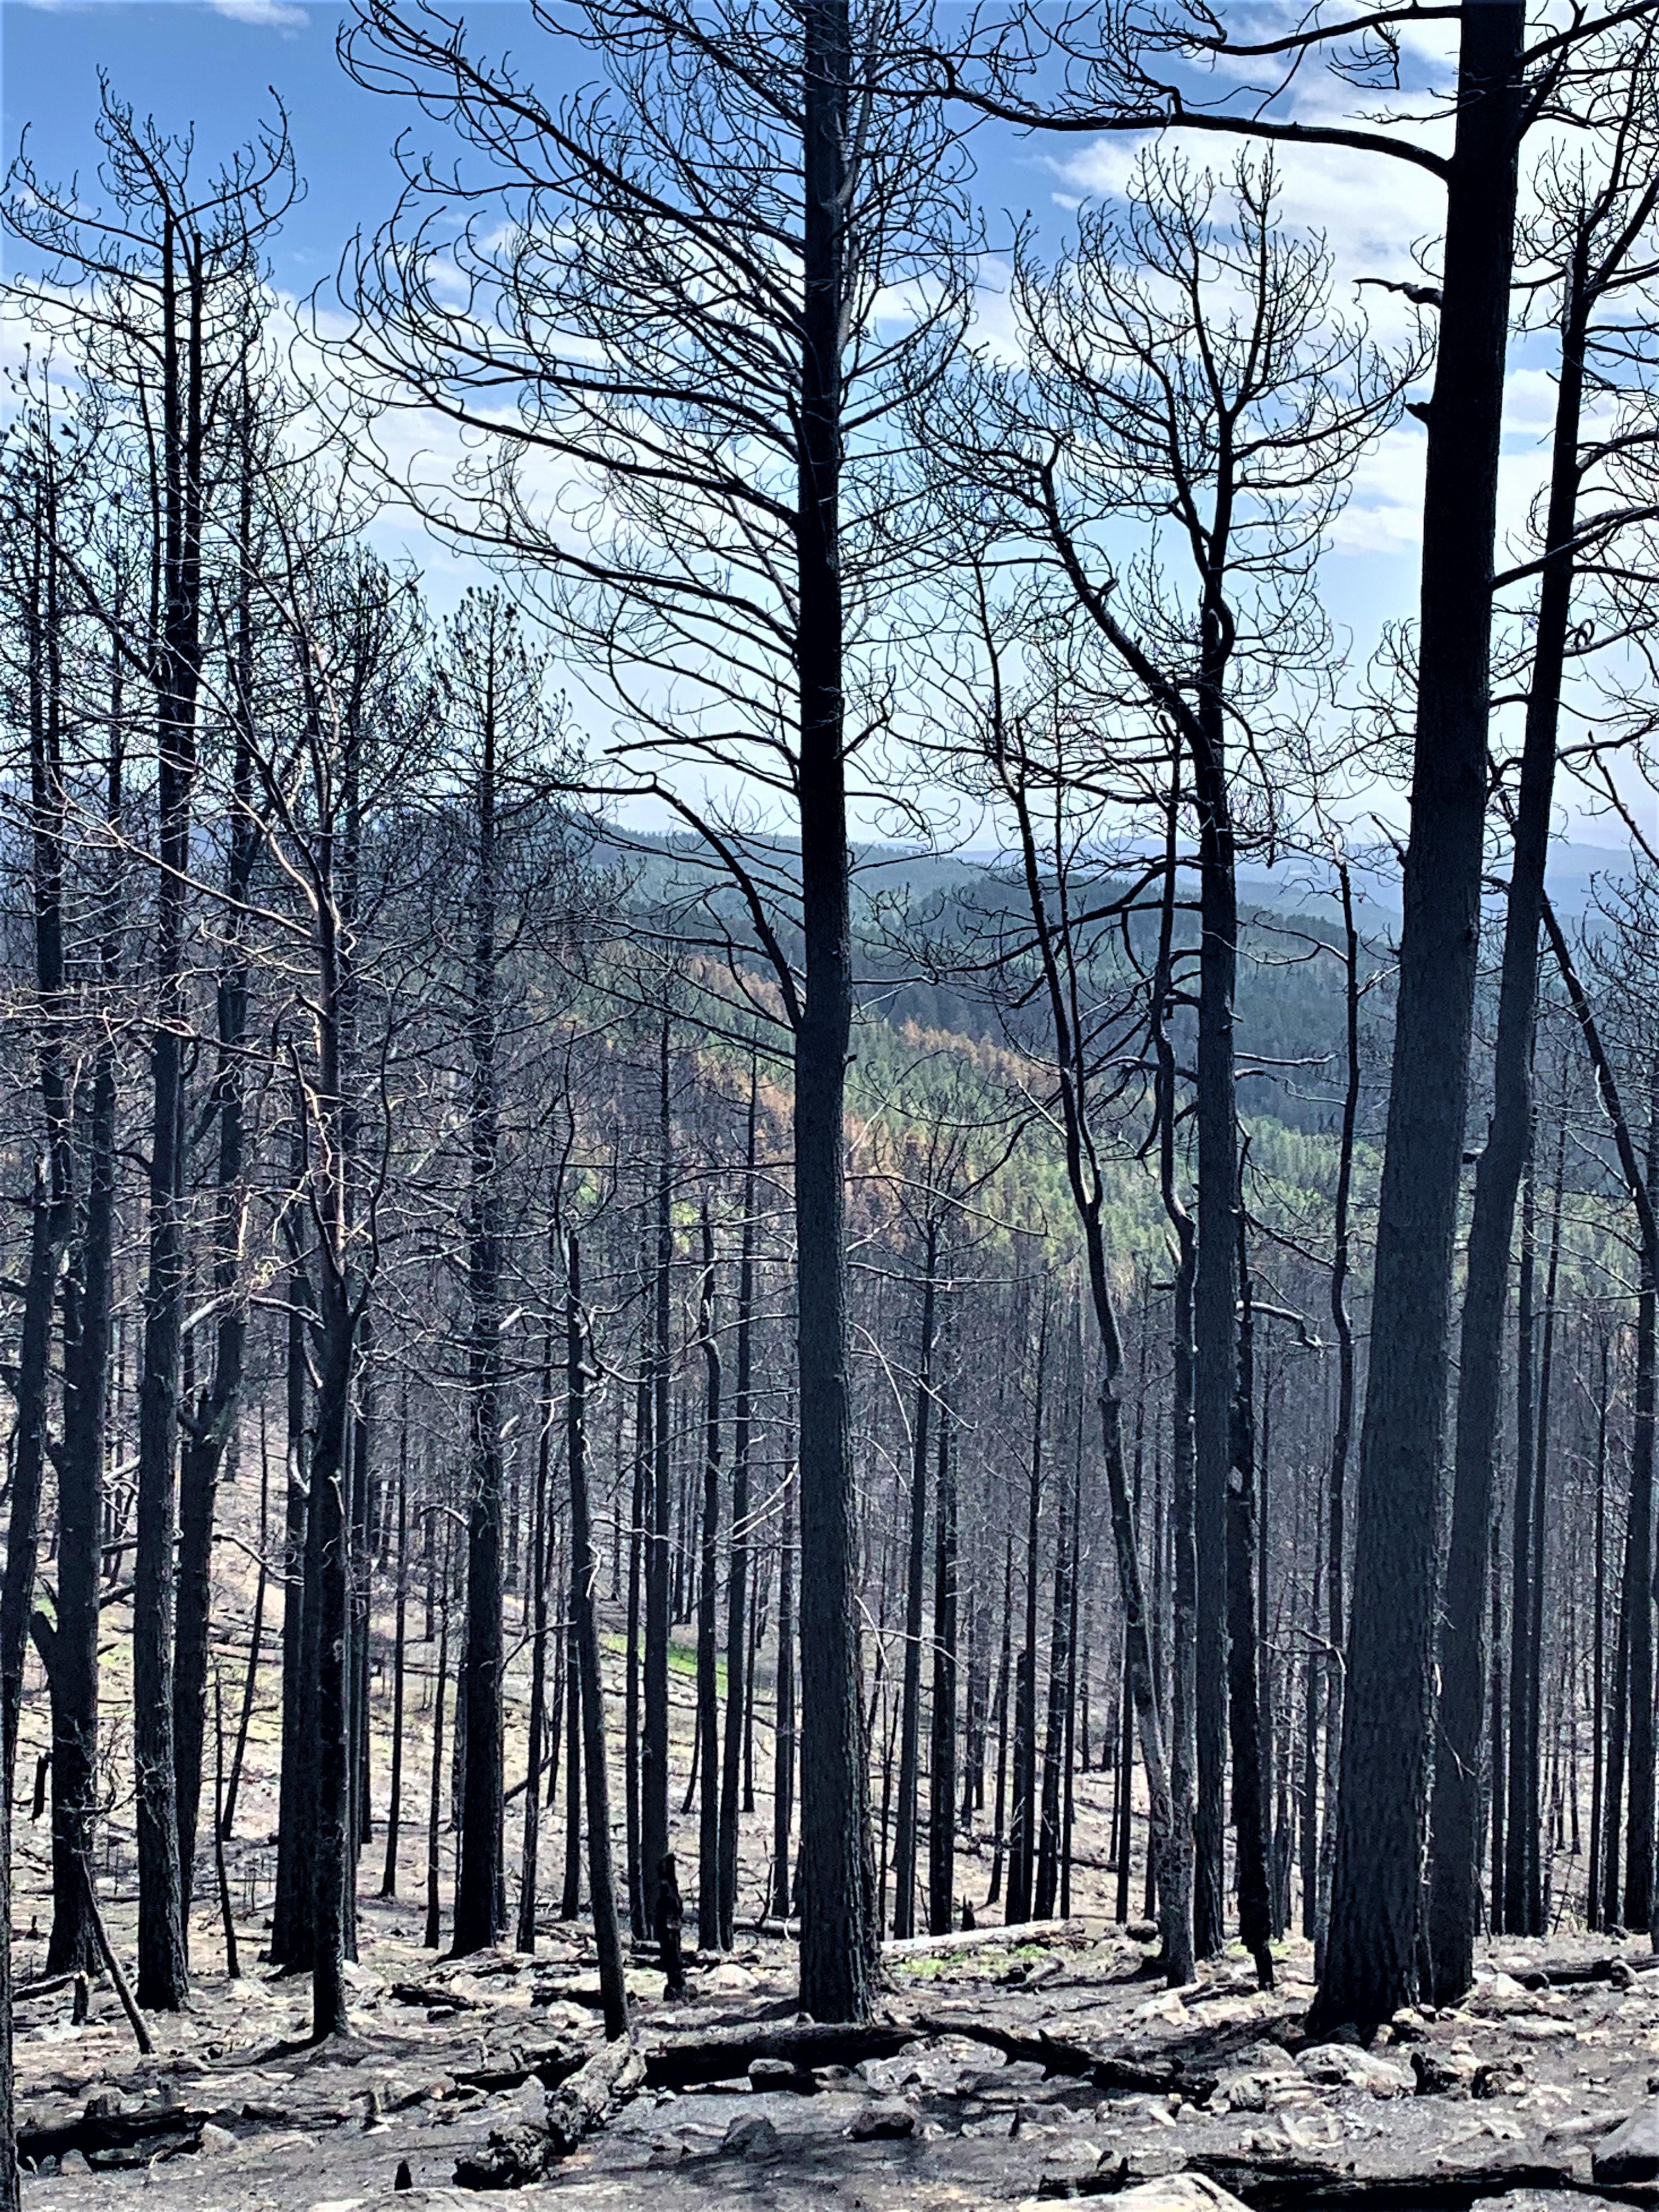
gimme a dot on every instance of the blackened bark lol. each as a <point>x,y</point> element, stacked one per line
<point>1000,1713</point>
<point>1638,1598</point>
<point>1537,1905</point>
<point>162,1978</point>
<point>1047,1889</point>
<point>394,1808</point>
<point>255,1647</point>
<point>1183,1683</point>
<point>607,1932</point>
<point>942,1749</point>
<point>1021,1841</point>
<point>1522,1809</point>
<point>208,1428</point>
<point>904,1848</point>
<point>1250,1764</point>
<point>840,1940</point>
<point>1215,1295</point>
<point>783,1741</point>
<point>653,1748</point>
<point>739,1629</point>
<point>529,1862</point>
<point>480,1882</point>
<point>1598,1645</point>
<point>433,1936</point>
<point>290,1926</point>
<point>1634,1680</point>
<point>637,1537</point>
<point>1371,1956</point>
<point>1336,1481</point>
<point>708,1812</point>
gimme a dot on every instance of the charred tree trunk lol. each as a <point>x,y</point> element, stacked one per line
<point>904,1849</point>
<point>709,1811</point>
<point>480,1880</point>
<point>942,1767</point>
<point>1372,1952</point>
<point>839,1940</point>
<point>1251,1778</point>
<point>607,1932</point>
<point>738,1682</point>
<point>783,1741</point>
<point>163,1981</point>
<point>653,1749</point>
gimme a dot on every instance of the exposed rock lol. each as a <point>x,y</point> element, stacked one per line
<point>1631,2152</point>
<point>1444,2073</point>
<point>778,2074</point>
<point>1345,2065</point>
<point>216,2141</point>
<point>1499,2077</point>
<point>754,2138</point>
<point>887,2120</point>
<point>729,1980</point>
<point>1176,2192</point>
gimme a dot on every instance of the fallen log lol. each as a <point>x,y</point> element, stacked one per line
<point>521,2153</point>
<point>432,1993</point>
<point>1299,2185</point>
<point>113,2139</point>
<point>727,2054</point>
<point>587,2098</point>
<point>1574,1973</point>
<point>982,1939</point>
<point>1076,2060</point>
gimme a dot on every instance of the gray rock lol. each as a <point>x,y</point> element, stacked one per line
<point>778,2074</point>
<point>887,2120</point>
<point>216,2141</point>
<point>1178,2192</point>
<point>1631,2152</point>
<point>751,2137</point>
<point>1441,2073</point>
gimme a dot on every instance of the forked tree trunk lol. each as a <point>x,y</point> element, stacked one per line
<point>1371,1951</point>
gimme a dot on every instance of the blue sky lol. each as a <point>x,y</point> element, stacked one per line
<point>212,64</point>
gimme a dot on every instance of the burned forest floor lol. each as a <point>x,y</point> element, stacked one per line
<point>1009,2067</point>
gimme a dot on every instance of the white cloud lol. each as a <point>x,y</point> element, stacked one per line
<point>263,14</point>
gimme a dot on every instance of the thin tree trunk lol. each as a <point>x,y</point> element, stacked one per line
<point>256,1640</point>
<point>942,1768</point>
<point>529,1868</point>
<point>1250,1769</point>
<point>653,1749</point>
<point>607,1932</point>
<point>709,1811</point>
<point>904,1850</point>
<point>433,1938</point>
<point>783,1740</point>
<point>738,1685</point>
<point>394,1808</point>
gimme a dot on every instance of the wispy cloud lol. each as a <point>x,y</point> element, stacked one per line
<point>263,14</point>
